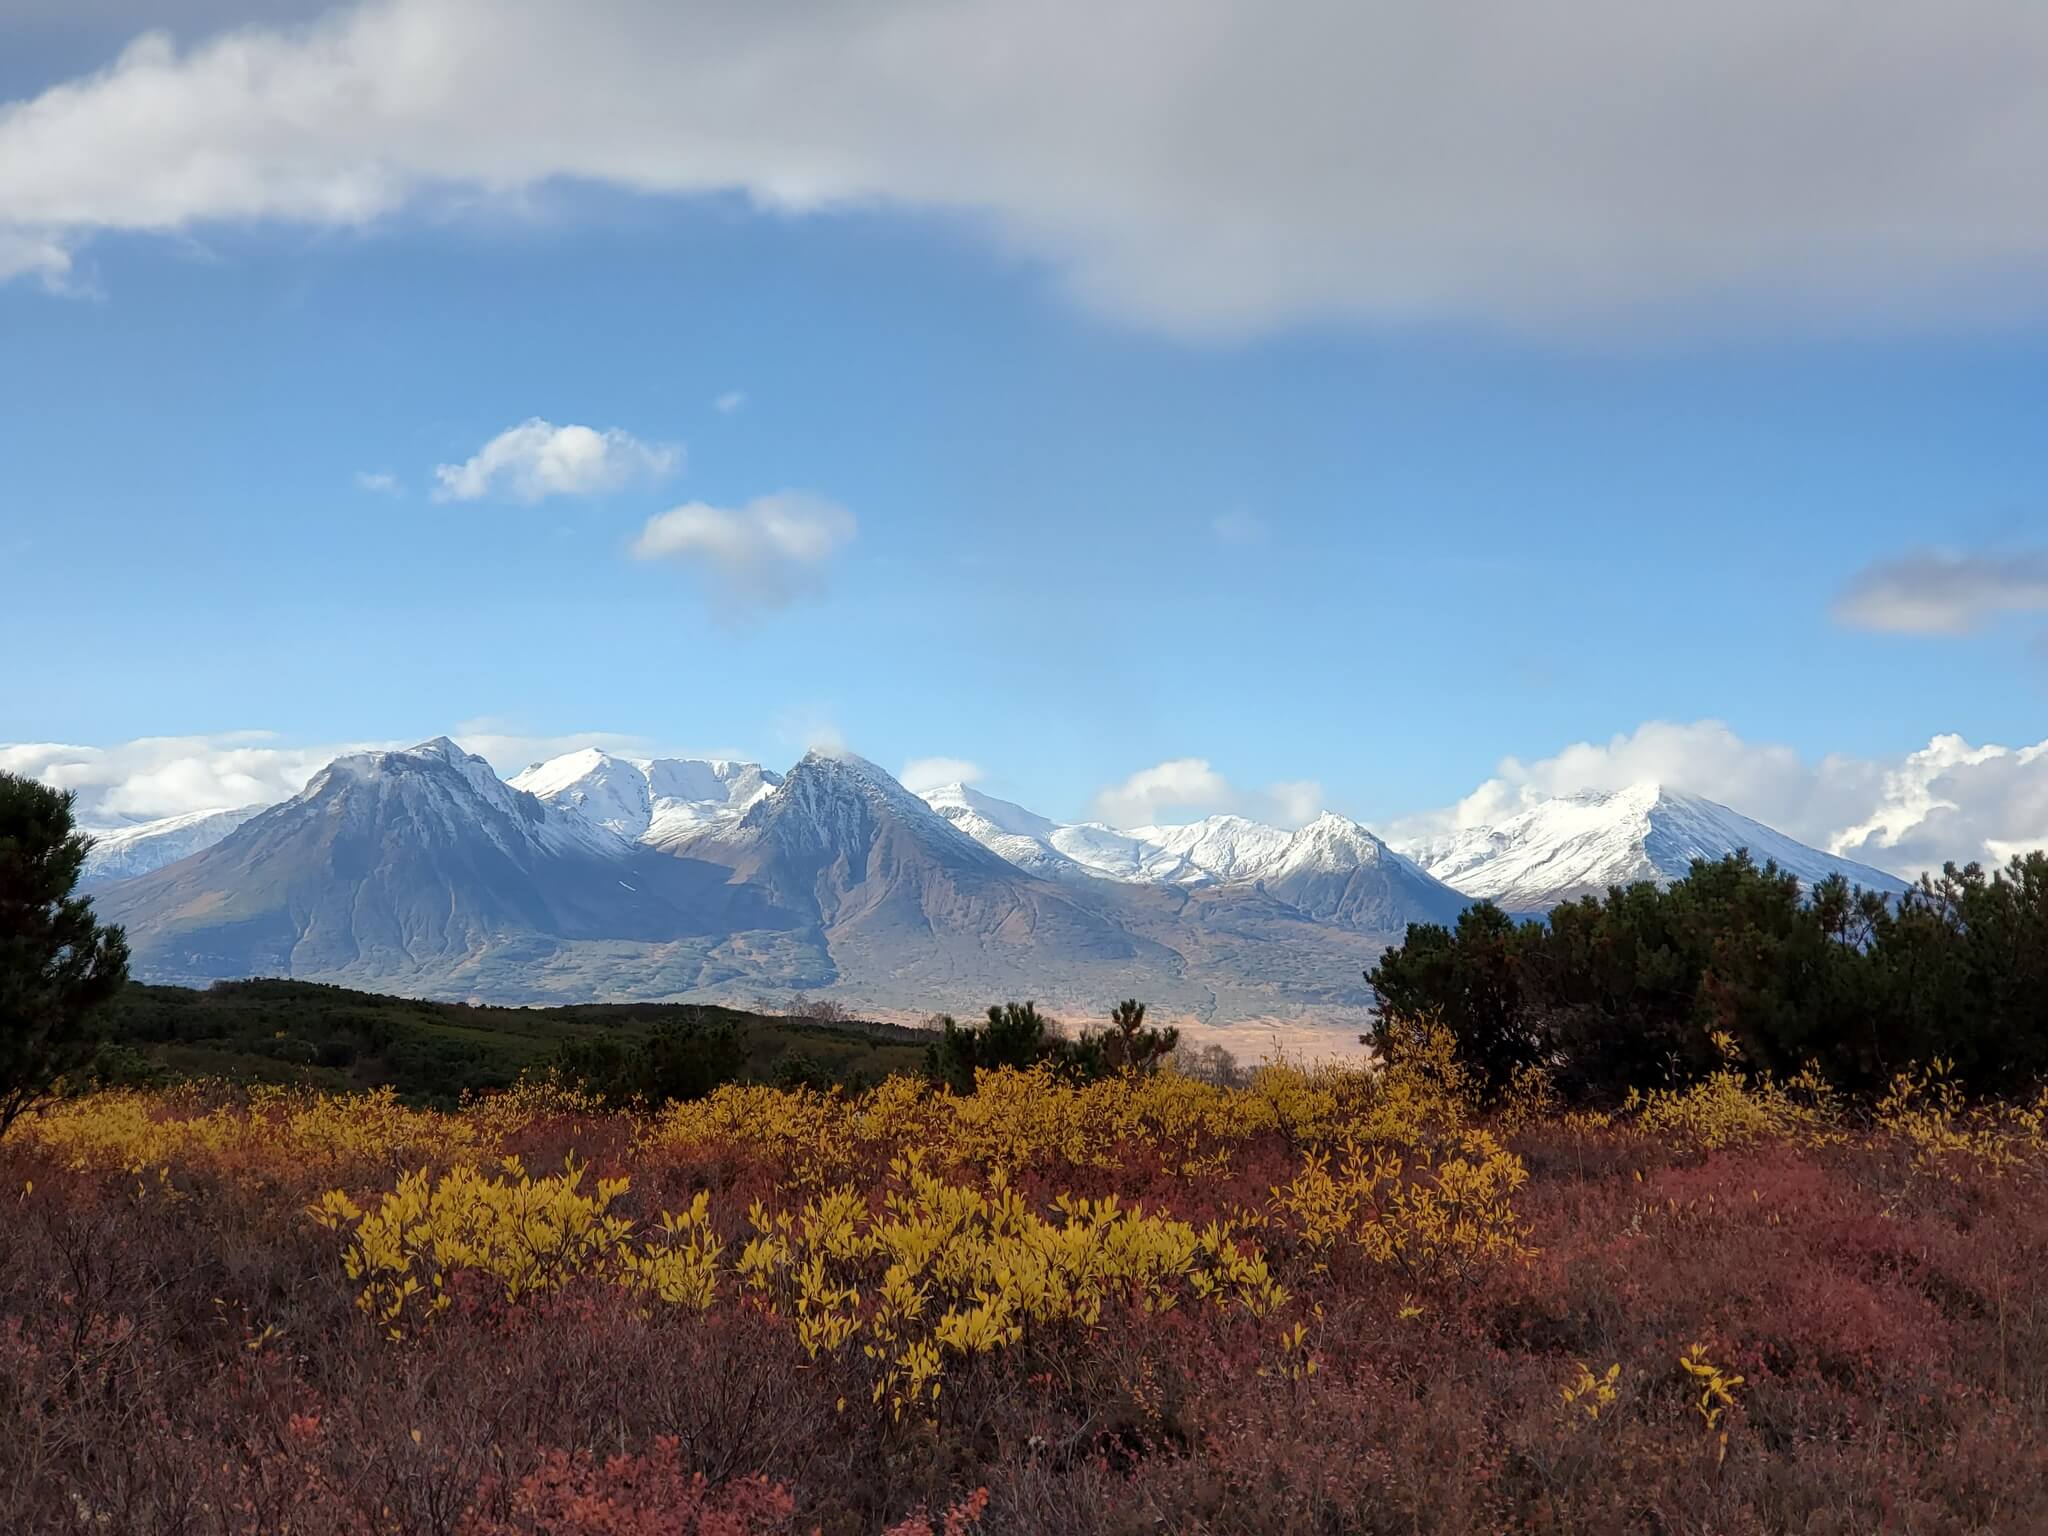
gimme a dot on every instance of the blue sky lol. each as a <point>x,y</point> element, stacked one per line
<point>1375,542</point>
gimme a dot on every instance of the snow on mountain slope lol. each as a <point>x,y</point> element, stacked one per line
<point>607,791</point>
<point>1218,848</point>
<point>122,853</point>
<point>835,805</point>
<point>1047,847</point>
<point>1336,871</point>
<point>1333,869</point>
<point>1581,844</point>
<point>909,903</point>
<point>658,801</point>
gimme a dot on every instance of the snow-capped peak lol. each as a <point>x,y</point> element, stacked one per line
<point>447,793</point>
<point>822,778</point>
<point>1218,848</point>
<point>1330,842</point>
<point>1579,844</point>
<point>658,800</point>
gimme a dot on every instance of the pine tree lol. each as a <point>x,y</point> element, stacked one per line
<point>58,965</point>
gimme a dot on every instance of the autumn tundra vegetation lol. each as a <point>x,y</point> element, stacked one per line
<point>1041,1282</point>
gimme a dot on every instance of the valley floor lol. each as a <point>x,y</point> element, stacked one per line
<point>1321,1302</point>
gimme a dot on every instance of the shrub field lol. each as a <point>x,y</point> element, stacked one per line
<point>1327,1300</point>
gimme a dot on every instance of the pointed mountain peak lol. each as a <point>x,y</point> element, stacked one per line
<point>1333,833</point>
<point>444,749</point>
<point>837,802</point>
<point>582,760</point>
<point>822,772</point>
<point>1578,844</point>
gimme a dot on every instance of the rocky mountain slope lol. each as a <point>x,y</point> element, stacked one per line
<point>422,871</point>
<point>608,878</point>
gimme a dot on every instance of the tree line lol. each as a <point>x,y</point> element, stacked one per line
<point>1629,990</point>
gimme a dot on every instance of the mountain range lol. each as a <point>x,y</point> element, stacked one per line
<point>592,876</point>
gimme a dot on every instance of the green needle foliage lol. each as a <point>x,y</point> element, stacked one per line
<point>58,966</point>
<point>1630,990</point>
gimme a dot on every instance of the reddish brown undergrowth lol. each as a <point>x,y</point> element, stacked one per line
<point>182,1352</point>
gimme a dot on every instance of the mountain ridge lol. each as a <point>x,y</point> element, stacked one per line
<point>422,871</point>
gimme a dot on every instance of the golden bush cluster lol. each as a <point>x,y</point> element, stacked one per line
<point>263,1130</point>
<point>946,1258</point>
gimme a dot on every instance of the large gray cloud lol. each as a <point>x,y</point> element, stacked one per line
<point>1937,593</point>
<point>1202,165</point>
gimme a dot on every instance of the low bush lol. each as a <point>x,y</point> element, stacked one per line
<point>1325,1300</point>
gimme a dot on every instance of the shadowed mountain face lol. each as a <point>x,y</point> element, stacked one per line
<point>1335,871</point>
<point>422,872</point>
<point>907,903</point>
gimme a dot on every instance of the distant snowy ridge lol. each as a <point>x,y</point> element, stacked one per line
<point>1581,844</point>
<point>1214,850</point>
<point>123,852</point>
<point>1050,848</point>
<point>658,801</point>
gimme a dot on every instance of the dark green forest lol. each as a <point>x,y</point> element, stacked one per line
<point>1650,987</point>
<point>304,1033</point>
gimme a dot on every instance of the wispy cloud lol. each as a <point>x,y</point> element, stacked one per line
<point>1932,592</point>
<point>1185,787</point>
<point>765,554</point>
<point>732,400</point>
<point>25,252</point>
<point>538,459</point>
<point>923,773</point>
<point>378,483</point>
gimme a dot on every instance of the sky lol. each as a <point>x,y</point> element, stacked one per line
<point>1143,411</point>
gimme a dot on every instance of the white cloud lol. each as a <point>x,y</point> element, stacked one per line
<point>1294,801</point>
<point>1932,592</point>
<point>1494,163</point>
<point>27,253</point>
<point>1953,801</point>
<point>763,555</point>
<point>168,775</point>
<point>923,773</point>
<point>1239,527</point>
<point>155,776</point>
<point>537,459</point>
<point>509,746</point>
<point>1187,787</point>
<point>378,483</point>
<point>1948,801</point>
<point>732,400</point>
